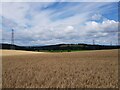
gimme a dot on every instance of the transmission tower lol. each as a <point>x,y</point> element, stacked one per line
<point>12,39</point>
<point>93,42</point>
<point>111,43</point>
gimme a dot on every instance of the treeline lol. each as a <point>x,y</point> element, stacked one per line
<point>59,47</point>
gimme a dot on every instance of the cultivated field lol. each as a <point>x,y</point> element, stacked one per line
<point>91,69</point>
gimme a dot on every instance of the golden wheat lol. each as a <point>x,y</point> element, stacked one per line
<point>88,69</point>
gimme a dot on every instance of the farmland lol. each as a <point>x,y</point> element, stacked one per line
<point>87,69</point>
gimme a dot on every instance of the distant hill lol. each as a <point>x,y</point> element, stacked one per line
<point>59,47</point>
<point>9,46</point>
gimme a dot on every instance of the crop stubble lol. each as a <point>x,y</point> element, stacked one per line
<point>89,69</point>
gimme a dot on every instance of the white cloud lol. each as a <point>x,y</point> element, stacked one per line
<point>107,24</point>
<point>69,29</point>
<point>105,28</point>
<point>96,17</point>
<point>60,1</point>
<point>15,12</point>
<point>28,1</point>
<point>39,26</point>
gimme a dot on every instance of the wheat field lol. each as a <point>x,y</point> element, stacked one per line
<point>87,69</point>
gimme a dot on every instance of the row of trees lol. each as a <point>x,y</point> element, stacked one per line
<point>61,47</point>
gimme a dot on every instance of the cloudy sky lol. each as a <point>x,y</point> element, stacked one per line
<point>45,23</point>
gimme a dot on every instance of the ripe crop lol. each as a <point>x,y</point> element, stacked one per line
<point>87,69</point>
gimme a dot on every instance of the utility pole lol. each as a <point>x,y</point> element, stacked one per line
<point>12,39</point>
